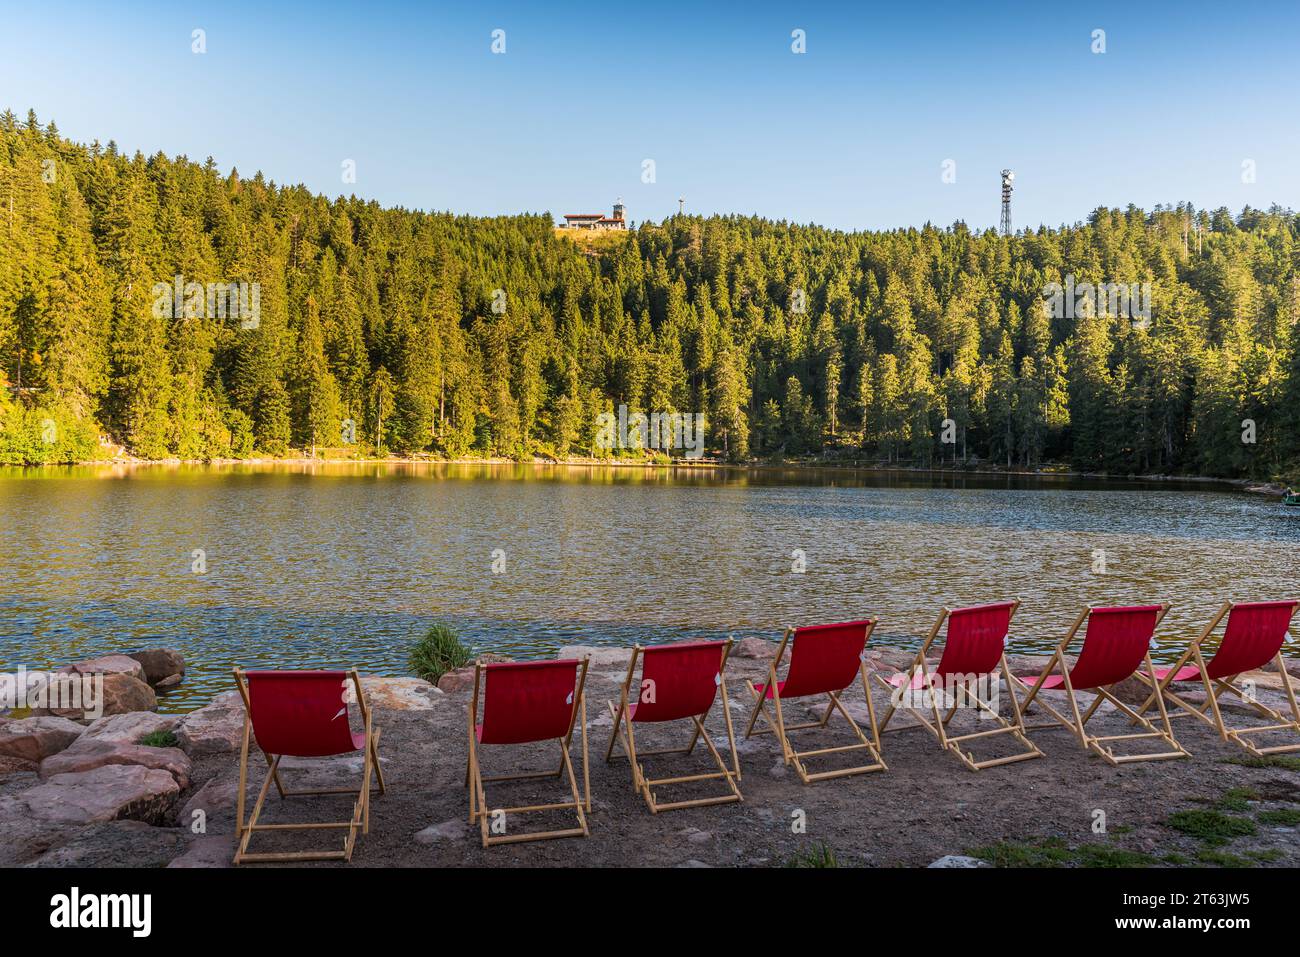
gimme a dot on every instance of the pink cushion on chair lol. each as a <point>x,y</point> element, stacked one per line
<point>1187,673</point>
<point>1050,682</point>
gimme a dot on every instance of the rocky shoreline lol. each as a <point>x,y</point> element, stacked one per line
<point>139,789</point>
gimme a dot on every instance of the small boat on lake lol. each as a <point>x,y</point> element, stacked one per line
<point>1292,500</point>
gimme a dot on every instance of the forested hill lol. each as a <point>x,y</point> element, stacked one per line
<point>428,332</point>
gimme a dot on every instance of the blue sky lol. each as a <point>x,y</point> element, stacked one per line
<point>852,134</point>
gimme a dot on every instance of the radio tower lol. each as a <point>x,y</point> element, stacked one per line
<point>1007,178</point>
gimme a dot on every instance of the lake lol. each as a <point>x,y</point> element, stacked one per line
<point>342,564</point>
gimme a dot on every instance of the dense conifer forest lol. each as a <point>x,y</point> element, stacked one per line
<point>402,332</point>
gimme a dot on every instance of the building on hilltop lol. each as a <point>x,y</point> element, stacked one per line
<point>597,220</point>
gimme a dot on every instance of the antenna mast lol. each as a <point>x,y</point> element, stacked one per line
<point>1007,178</point>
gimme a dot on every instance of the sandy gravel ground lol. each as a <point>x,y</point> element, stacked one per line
<point>925,806</point>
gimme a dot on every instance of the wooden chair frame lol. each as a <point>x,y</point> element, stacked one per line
<point>475,780</point>
<point>939,727</point>
<point>1215,688</point>
<point>1100,744</point>
<point>360,819</point>
<point>646,784</point>
<point>782,731</point>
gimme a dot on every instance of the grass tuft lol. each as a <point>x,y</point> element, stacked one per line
<point>1104,855</point>
<point>1213,828</point>
<point>819,856</point>
<point>1237,799</point>
<point>437,653</point>
<point>1283,817</point>
<point>1050,852</point>
<point>1222,859</point>
<point>1268,855</point>
<point>159,739</point>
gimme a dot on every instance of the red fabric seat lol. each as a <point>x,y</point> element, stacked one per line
<point>527,701</point>
<point>678,681</point>
<point>1114,647</point>
<point>976,639</point>
<point>823,658</point>
<point>301,714</point>
<point>1252,638</point>
<point>766,690</point>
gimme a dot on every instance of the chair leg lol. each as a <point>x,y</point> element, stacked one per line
<point>374,760</point>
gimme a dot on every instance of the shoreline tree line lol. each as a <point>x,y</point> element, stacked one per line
<point>460,336</point>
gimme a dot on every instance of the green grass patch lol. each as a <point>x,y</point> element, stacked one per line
<point>819,856</point>
<point>1103,855</point>
<point>1268,856</point>
<point>159,739</point>
<point>1054,852</point>
<point>1050,852</point>
<point>437,653</point>
<point>1214,828</point>
<point>1288,762</point>
<point>1176,860</point>
<point>1223,859</point>
<point>1284,817</point>
<point>1237,799</point>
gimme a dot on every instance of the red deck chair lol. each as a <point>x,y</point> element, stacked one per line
<point>973,651</point>
<point>678,682</point>
<point>522,703</point>
<point>1253,637</point>
<point>824,660</point>
<point>1116,645</point>
<point>303,714</point>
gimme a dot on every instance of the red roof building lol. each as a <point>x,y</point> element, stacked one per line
<point>597,220</point>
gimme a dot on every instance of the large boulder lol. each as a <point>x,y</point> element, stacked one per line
<point>216,728</point>
<point>1292,667</point>
<point>129,728</point>
<point>888,658</point>
<point>90,753</point>
<point>600,656</point>
<point>217,794</point>
<point>163,667</point>
<point>396,694</point>
<point>109,793</point>
<point>132,844</point>
<point>759,648</point>
<point>109,665</point>
<point>211,850</point>
<point>123,693</point>
<point>461,679</point>
<point>35,739</point>
<point>23,838</point>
